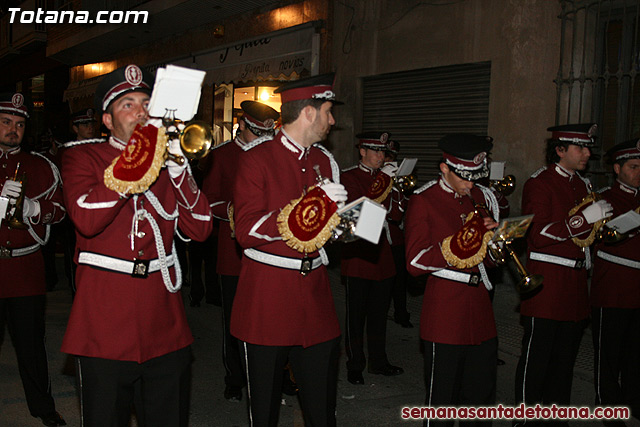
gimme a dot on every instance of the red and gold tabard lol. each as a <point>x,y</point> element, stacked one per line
<point>218,187</point>
<point>24,275</point>
<point>140,162</point>
<point>550,194</point>
<point>380,187</point>
<point>114,315</point>
<point>275,305</point>
<point>361,258</point>
<point>615,285</point>
<point>452,312</point>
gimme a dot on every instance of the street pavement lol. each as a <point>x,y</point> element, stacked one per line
<point>377,403</point>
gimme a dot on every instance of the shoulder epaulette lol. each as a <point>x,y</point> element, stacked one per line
<point>84,141</point>
<point>349,168</point>
<point>335,169</point>
<point>538,172</point>
<point>257,142</point>
<point>427,185</point>
<point>603,189</point>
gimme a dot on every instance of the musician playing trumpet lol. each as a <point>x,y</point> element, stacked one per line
<point>447,236</point>
<point>558,248</point>
<point>127,325</point>
<point>615,292</point>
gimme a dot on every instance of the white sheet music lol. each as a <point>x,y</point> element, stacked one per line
<point>406,167</point>
<point>625,222</point>
<point>176,89</point>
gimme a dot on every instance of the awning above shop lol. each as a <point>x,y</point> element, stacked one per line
<point>82,89</point>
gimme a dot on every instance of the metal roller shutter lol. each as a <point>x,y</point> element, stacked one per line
<point>418,107</point>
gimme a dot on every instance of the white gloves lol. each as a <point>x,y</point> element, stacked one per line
<point>175,169</point>
<point>30,208</point>
<point>597,211</point>
<point>336,192</point>
<point>11,189</point>
<point>390,169</point>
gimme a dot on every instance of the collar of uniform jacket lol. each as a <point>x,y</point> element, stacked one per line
<point>564,172</point>
<point>14,150</point>
<point>627,188</point>
<point>292,145</point>
<point>366,168</point>
<point>448,188</point>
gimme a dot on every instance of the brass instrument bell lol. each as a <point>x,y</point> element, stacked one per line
<point>196,139</point>
<point>406,183</point>
<point>506,185</point>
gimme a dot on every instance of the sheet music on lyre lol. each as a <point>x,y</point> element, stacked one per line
<point>176,92</point>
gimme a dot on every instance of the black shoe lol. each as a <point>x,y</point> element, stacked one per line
<point>387,370</point>
<point>53,419</point>
<point>233,394</point>
<point>405,323</point>
<point>500,362</point>
<point>355,377</point>
<point>289,387</point>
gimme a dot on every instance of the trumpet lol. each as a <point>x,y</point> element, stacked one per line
<point>406,183</point>
<point>501,251</point>
<point>196,138</point>
<point>14,220</point>
<point>345,231</point>
<point>506,185</point>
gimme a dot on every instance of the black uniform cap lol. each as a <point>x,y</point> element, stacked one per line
<point>13,103</point>
<point>466,154</point>
<point>625,150</point>
<point>130,78</point>
<point>259,117</point>
<point>86,115</point>
<point>373,140</point>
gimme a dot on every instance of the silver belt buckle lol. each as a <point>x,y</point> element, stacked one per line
<point>305,265</point>
<point>5,252</point>
<point>140,268</point>
<point>579,264</point>
<point>474,279</point>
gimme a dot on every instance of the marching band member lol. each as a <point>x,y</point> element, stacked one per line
<point>615,294</point>
<point>283,305</point>
<point>22,289</point>
<point>256,125</point>
<point>446,238</point>
<point>369,269</point>
<point>127,325</point>
<point>554,317</point>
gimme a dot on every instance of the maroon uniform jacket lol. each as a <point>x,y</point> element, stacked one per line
<point>274,305</point>
<point>114,315</point>
<point>363,259</point>
<point>218,187</point>
<point>550,194</point>
<point>616,272</point>
<point>24,274</point>
<point>452,312</point>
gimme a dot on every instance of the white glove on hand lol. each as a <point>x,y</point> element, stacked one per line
<point>154,121</point>
<point>30,208</point>
<point>390,169</point>
<point>597,211</point>
<point>336,192</point>
<point>175,170</point>
<point>11,189</point>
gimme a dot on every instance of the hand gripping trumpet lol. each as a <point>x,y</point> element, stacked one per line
<point>14,220</point>
<point>501,250</point>
<point>196,138</point>
<point>346,228</point>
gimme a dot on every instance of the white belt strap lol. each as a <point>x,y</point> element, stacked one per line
<point>458,276</point>
<point>558,260</point>
<point>118,265</point>
<point>280,261</point>
<point>13,253</point>
<point>618,260</point>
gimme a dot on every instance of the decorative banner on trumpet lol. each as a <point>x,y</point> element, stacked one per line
<point>306,223</point>
<point>140,162</point>
<point>468,246</point>
<point>380,188</point>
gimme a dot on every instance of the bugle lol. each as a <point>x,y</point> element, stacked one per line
<point>345,231</point>
<point>406,183</point>
<point>196,138</point>
<point>14,220</point>
<point>501,250</point>
<point>506,185</point>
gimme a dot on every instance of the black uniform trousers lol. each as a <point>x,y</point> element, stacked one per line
<point>616,354</point>
<point>107,389</point>
<point>316,372</point>
<point>25,320</point>
<point>460,375</point>
<point>367,302</point>
<point>545,370</point>
<point>231,347</point>
<point>204,256</point>
<point>399,294</point>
